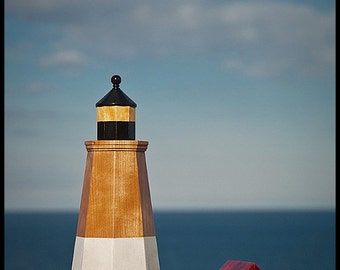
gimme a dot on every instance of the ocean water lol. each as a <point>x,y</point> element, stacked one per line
<point>281,240</point>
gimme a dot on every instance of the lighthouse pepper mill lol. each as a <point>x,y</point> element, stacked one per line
<point>116,114</point>
<point>115,222</point>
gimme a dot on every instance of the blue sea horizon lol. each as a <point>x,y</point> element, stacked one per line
<point>187,239</point>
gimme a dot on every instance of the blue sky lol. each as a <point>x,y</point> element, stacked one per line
<point>236,99</point>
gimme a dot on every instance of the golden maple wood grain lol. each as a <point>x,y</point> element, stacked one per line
<point>116,113</point>
<point>115,198</point>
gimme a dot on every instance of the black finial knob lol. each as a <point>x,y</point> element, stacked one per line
<point>115,79</point>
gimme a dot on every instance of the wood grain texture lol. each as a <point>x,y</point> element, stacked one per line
<point>115,200</point>
<point>84,197</point>
<point>116,113</point>
<point>148,223</point>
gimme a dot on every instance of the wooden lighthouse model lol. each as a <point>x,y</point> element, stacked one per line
<point>115,223</point>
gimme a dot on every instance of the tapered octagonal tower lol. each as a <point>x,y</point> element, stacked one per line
<point>115,222</point>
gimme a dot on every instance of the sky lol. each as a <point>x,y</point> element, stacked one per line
<point>236,99</point>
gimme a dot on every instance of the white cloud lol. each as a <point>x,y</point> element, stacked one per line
<point>64,59</point>
<point>38,87</point>
<point>268,37</point>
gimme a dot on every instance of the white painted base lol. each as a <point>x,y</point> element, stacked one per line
<point>116,253</point>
